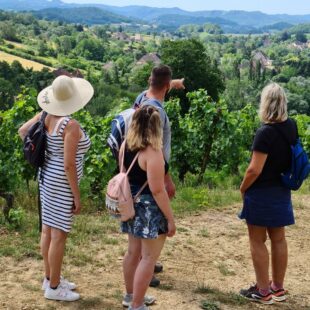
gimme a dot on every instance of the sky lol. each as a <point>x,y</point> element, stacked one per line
<point>267,6</point>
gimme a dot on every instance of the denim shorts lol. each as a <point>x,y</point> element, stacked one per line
<point>149,221</point>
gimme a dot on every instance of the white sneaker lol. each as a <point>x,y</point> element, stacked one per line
<point>62,293</point>
<point>148,300</point>
<point>63,281</point>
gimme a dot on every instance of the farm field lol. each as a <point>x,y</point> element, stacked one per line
<point>207,260</point>
<point>24,62</point>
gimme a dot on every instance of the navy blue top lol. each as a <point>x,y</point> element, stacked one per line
<point>269,141</point>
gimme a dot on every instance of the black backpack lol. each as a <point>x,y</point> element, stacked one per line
<point>35,143</point>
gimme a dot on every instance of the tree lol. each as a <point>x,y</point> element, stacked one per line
<point>301,37</point>
<point>66,43</point>
<point>140,75</point>
<point>42,49</point>
<point>91,49</point>
<point>284,36</point>
<point>6,94</point>
<point>8,31</point>
<point>188,59</point>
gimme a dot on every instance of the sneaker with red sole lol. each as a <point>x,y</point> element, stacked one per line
<point>279,295</point>
<point>253,294</point>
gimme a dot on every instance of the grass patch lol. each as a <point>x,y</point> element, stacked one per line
<point>194,199</point>
<point>30,287</point>
<point>89,303</point>
<point>209,305</point>
<point>204,233</point>
<point>225,271</point>
<point>166,287</point>
<point>23,242</point>
<point>182,229</point>
<point>215,295</point>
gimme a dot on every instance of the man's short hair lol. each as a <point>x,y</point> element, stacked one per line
<point>160,77</point>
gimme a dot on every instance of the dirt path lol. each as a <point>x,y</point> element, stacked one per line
<point>209,250</point>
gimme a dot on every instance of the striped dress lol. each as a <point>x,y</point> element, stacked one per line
<point>55,192</point>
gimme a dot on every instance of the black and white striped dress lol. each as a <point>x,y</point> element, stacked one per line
<point>55,192</point>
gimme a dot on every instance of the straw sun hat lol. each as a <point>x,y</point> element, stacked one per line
<point>65,96</point>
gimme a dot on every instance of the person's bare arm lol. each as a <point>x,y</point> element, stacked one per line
<point>170,186</point>
<point>177,84</point>
<point>23,130</point>
<point>71,140</point>
<point>155,168</point>
<point>120,156</point>
<point>254,170</point>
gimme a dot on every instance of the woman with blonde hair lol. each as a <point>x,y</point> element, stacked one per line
<point>66,145</point>
<point>153,220</point>
<point>267,205</point>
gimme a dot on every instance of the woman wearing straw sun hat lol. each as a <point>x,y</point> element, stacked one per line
<point>67,143</point>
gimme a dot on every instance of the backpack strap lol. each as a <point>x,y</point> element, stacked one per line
<point>132,163</point>
<point>122,166</point>
<point>140,191</point>
<point>283,135</point>
<point>64,124</point>
<point>43,116</point>
<point>122,169</point>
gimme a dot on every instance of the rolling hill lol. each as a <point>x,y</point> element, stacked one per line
<point>165,18</point>
<point>82,15</point>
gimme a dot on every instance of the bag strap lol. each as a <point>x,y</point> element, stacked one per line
<point>140,191</point>
<point>122,169</point>
<point>42,118</point>
<point>280,133</point>
<point>122,166</point>
<point>132,163</point>
<point>283,135</point>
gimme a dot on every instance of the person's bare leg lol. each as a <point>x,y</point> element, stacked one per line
<point>131,261</point>
<point>55,255</point>
<point>151,249</point>
<point>260,255</point>
<point>279,254</point>
<point>45,244</point>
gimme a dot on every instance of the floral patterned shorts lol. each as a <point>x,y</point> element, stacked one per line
<point>149,221</point>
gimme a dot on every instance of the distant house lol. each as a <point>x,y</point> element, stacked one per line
<point>267,42</point>
<point>262,58</point>
<point>149,58</point>
<point>300,46</point>
<point>121,36</point>
<point>137,37</point>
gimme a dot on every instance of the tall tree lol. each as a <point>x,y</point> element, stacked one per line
<point>188,59</point>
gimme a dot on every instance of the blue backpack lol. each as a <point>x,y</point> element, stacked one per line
<point>120,124</point>
<point>300,166</point>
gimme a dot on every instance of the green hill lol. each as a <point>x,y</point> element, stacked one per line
<point>81,15</point>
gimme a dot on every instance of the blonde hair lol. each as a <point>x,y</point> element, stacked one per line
<point>145,129</point>
<point>273,104</point>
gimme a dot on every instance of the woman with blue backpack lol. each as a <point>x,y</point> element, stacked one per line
<point>278,164</point>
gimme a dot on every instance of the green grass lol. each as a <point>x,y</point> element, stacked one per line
<point>225,271</point>
<point>97,228</point>
<point>204,233</point>
<point>215,295</point>
<point>166,287</point>
<point>191,200</point>
<point>209,305</point>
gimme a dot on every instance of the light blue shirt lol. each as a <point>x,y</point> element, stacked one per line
<point>143,100</point>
